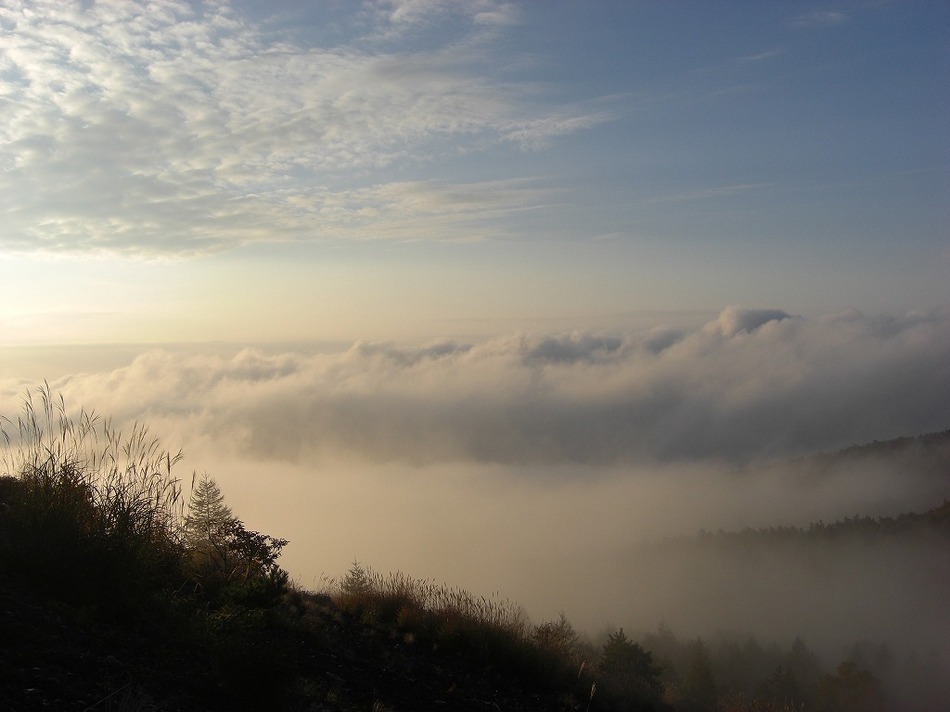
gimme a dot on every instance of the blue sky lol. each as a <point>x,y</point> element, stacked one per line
<point>292,171</point>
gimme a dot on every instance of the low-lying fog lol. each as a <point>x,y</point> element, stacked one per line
<point>550,468</point>
<point>577,544</point>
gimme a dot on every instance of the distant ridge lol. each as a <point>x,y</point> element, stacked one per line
<point>939,439</point>
<point>932,522</point>
<point>928,454</point>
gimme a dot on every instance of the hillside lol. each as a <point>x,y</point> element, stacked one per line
<point>303,654</point>
<point>78,634</point>
<point>116,594</point>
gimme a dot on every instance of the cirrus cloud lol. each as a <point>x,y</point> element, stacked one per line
<point>177,129</point>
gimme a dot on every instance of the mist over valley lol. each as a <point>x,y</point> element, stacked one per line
<point>561,470</point>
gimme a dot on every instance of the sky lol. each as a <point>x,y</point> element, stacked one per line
<point>488,291</point>
<point>408,169</point>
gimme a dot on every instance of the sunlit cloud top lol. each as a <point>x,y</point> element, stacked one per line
<point>747,384</point>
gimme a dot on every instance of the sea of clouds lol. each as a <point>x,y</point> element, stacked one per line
<point>536,465</point>
<point>750,384</point>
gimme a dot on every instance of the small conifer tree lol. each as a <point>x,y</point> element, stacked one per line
<point>629,671</point>
<point>224,555</point>
<point>208,516</point>
<point>699,685</point>
<point>358,581</point>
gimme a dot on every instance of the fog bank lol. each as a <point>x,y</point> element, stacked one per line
<point>749,385</point>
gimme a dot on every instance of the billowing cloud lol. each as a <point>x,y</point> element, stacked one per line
<point>750,384</point>
<point>183,128</point>
<point>734,320</point>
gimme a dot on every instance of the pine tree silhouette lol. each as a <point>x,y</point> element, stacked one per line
<point>208,515</point>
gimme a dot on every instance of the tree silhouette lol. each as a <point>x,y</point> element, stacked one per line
<point>699,685</point>
<point>850,689</point>
<point>629,671</point>
<point>224,555</point>
<point>208,516</point>
<point>781,687</point>
<point>557,637</point>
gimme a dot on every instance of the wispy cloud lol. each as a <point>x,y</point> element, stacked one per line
<point>819,18</point>
<point>416,210</point>
<point>409,15</point>
<point>180,128</point>
<point>761,56</point>
<point>728,68</point>
<point>723,191</point>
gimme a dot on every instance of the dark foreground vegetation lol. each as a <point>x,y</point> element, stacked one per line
<point>117,594</point>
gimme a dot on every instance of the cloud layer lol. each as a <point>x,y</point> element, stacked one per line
<point>180,128</point>
<point>538,465</point>
<point>751,384</point>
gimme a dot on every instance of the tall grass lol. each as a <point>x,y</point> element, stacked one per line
<point>404,601</point>
<point>432,616</point>
<point>98,506</point>
<point>490,630</point>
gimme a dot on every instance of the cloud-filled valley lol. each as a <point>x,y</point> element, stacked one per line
<point>538,465</point>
